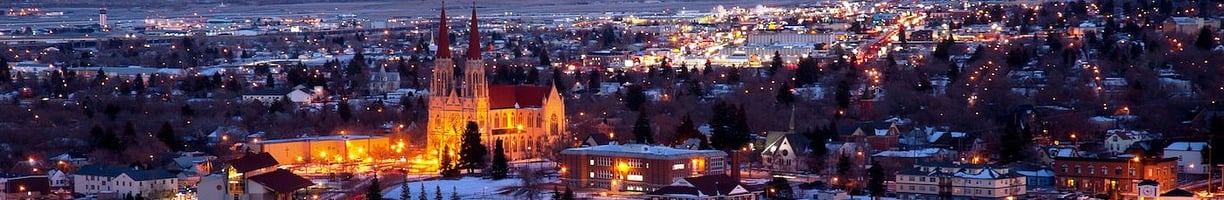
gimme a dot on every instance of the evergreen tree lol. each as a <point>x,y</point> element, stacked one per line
<point>876,182</point>
<point>356,65</point>
<point>437,192</point>
<point>405,191</point>
<point>688,130</point>
<point>422,196</point>
<point>635,97</point>
<point>1205,40</point>
<point>776,63</point>
<point>345,110</point>
<point>455,193</point>
<point>372,191</point>
<point>779,188</point>
<point>729,128</point>
<point>544,59</point>
<point>269,81</point>
<point>5,71</point>
<point>641,129</point>
<point>472,152</point>
<point>953,72</point>
<point>446,166</point>
<point>166,135</point>
<point>842,96</point>
<point>500,166</point>
<point>138,84</point>
<point>943,50</point>
<point>807,72</point>
<point>785,95</point>
<point>843,169</point>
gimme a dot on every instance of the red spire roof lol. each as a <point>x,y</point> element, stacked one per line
<point>443,40</point>
<point>473,51</point>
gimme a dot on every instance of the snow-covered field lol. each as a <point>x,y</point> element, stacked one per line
<point>467,187</point>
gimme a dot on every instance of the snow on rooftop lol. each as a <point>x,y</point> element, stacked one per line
<point>1187,146</point>
<point>987,173</point>
<point>320,138</point>
<point>1038,173</point>
<point>927,152</point>
<point>639,150</point>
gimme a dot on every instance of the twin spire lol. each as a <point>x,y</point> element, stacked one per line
<point>444,52</point>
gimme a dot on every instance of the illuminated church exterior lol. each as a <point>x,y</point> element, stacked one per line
<point>527,118</point>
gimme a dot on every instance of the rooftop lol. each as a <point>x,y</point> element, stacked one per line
<point>639,151</point>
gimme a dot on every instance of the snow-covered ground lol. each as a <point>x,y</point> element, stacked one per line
<point>467,187</point>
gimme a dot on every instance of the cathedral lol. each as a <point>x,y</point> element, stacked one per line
<point>527,118</point>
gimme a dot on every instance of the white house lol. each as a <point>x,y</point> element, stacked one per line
<point>1189,156</point>
<point>299,94</point>
<point>1118,140</point>
<point>785,152</point>
<point>960,181</point>
<point>117,181</point>
<point>60,181</point>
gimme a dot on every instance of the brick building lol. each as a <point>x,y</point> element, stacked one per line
<point>1101,175</point>
<point>636,167</point>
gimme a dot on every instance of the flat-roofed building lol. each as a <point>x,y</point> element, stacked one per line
<point>1102,175</point>
<point>636,167</point>
<point>326,149</point>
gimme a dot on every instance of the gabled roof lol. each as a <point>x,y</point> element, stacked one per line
<point>515,96</point>
<point>151,174</point>
<point>797,142</point>
<point>115,171</point>
<point>709,185</point>
<point>1178,193</point>
<point>598,138</point>
<point>1186,146</point>
<point>252,162</point>
<point>103,170</point>
<point>269,92</point>
<point>281,181</point>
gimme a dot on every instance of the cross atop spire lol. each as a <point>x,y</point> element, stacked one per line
<point>473,51</point>
<point>443,41</point>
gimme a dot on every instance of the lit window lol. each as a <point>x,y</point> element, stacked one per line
<point>677,166</point>
<point>634,177</point>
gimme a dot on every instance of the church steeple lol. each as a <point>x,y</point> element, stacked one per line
<point>443,41</point>
<point>473,51</point>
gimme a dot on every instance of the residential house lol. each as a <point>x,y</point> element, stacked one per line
<point>118,181</point>
<point>382,81</point>
<point>1185,25</point>
<point>253,176</point>
<point>227,134</point>
<point>878,136</point>
<point>941,180</point>
<point>1037,176</point>
<point>1118,140</point>
<point>708,187</point>
<point>785,152</point>
<point>1189,156</point>
<point>60,181</point>
<point>190,166</point>
<point>903,159</point>
<point>298,94</point>
<point>71,159</point>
